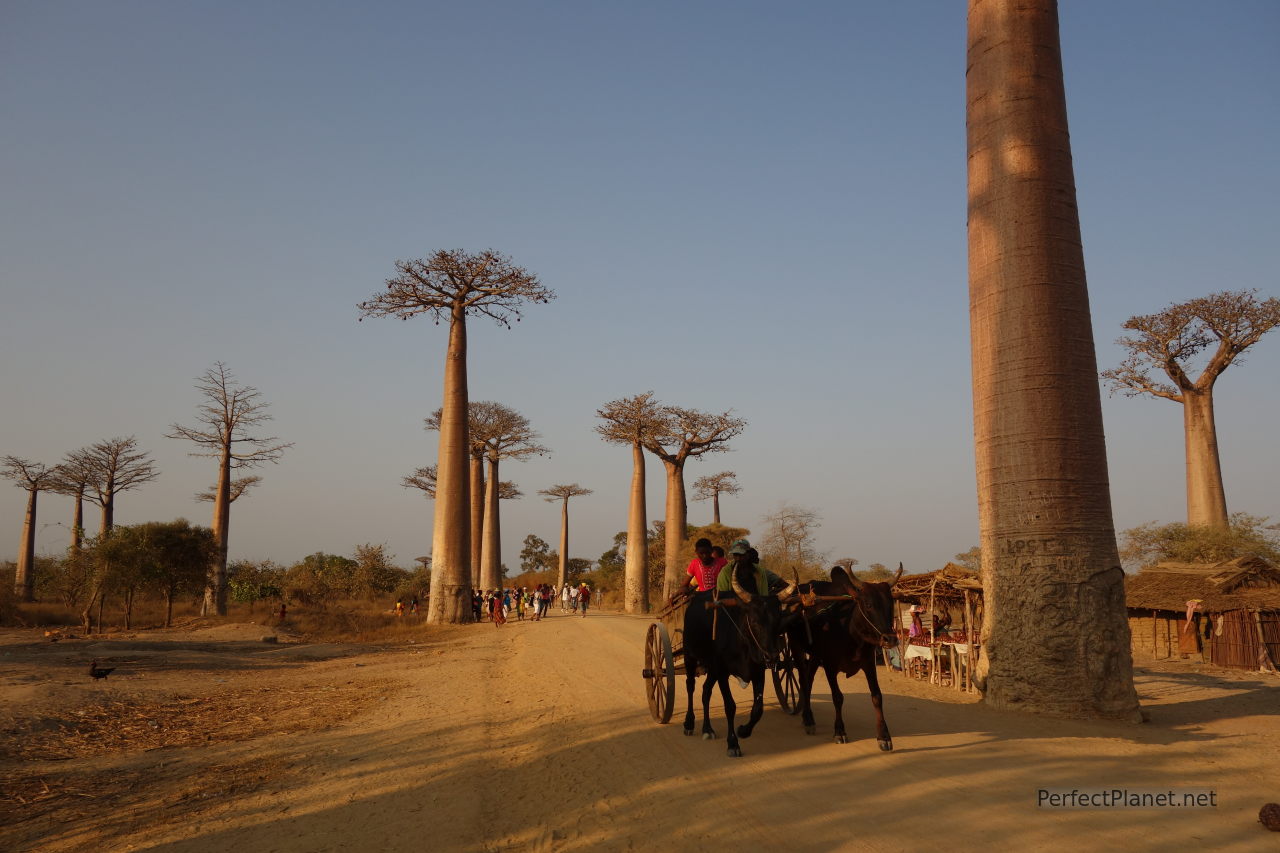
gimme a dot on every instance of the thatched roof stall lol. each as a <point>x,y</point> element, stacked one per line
<point>1234,605</point>
<point>952,593</point>
<point>947,584</point>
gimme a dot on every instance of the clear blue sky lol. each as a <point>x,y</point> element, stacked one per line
<point>757,206</point>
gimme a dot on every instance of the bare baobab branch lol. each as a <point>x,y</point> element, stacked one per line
<point>424,479</point>
<point>239,487</point>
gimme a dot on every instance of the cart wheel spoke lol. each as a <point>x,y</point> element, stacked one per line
<point>786,680</point>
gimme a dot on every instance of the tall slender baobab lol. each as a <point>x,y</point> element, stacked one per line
<point>685,434</point>
<point>712,486</point>
<point>632,421</point>
<point>34,477</point>
<point>562,493</point>
<point>508,435</point>
<point>1170,341</point>
<point>226,419</point>
<point>115,465</point>
<point>448,286</point>
<point>73,479</point>
<point>1056,636</point>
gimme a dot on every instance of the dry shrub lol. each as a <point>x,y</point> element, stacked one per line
<point>357,622</point>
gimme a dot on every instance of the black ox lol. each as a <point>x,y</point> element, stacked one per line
<point>736,635</point>
<point>843,636</point>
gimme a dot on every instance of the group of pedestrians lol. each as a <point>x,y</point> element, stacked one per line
<point>499,605</point>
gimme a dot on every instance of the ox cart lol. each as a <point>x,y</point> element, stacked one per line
<point>664,659</point>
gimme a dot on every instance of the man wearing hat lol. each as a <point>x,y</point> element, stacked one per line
<point>739,552</point>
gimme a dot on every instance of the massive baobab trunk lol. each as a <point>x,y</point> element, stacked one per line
<point>636,573</point>
<point>450,599</point>
<point>491,553</point>
<point>1055,631</point>
<point>715,508</point>
<point>478,498</point>
<point>1206,498</point>
<point>676,527</point>
<point>24,581</point>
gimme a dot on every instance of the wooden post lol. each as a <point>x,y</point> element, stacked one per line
<point>1155,639</point>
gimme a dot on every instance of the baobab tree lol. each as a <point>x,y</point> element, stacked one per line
<point>34,477</point>
<point>562,493</point>
<point>508,435</point>
<point>226,422</point>
<point>73,478</point>
<point>632,421</point>
<point>712,486</point>
<point>114,466</point>
<point>448,286</point>
<point>1175,341</point>
<point>685,434</point>
<point>1057,640</point>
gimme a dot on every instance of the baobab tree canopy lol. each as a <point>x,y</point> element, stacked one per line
<point>1220,326</point>
<point>485,283</point>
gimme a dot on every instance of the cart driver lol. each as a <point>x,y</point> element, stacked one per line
<point>703,570</point>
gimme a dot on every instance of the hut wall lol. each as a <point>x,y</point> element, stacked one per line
<point>1233,644</point>
<point>1154,636</point>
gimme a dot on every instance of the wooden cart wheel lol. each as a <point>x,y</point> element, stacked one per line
<point>659,673</point>
<point>786,678</point>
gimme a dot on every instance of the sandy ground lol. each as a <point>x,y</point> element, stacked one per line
<point>537,737</point>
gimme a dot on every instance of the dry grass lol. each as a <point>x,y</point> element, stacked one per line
<point>138,726</point>
<point>98,805</point>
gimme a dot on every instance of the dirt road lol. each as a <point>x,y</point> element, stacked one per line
<point>537,737</point>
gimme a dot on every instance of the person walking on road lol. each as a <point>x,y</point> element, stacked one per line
<point>584,598</point>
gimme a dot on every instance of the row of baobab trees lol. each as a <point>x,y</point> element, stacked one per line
<point>452,285</point>
<point>226,423</point>
<point>672,434</point>
<point>1055,623</point>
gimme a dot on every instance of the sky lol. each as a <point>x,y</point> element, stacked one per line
<point>748,206</point>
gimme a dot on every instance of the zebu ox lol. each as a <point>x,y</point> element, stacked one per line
<point>844,636</point>
<point>734,636</point>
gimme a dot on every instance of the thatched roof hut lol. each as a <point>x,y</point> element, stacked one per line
<point>1236,621</point>
<point>1245,582</point>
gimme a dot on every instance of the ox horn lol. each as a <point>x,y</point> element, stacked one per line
<point>791,587</point>
<point>743,595</point>
<point>897,577</point>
